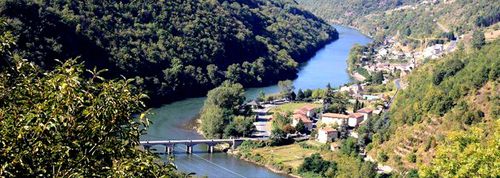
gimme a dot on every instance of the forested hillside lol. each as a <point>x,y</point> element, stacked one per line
<point>347,12</point>
<point>433,20</point>
<point>172,48</point>
<point>446,122</point>
<point>408,18</point>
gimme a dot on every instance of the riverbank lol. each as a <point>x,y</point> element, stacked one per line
<point>267,166</point>
<point>169,121</point>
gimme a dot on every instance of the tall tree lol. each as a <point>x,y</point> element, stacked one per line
<point>286,88</point>
<point>219,116</point>
<point>300,95</point>
<point>478,39</point>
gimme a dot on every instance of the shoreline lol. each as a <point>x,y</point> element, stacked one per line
<point>267,166</point>
<point>271,81</point>
<point>193,126</point>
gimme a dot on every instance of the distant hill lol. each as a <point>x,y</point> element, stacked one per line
<point>413,18</point>
<point>174,48</point>
<point>454,95</point>
<point>348,12</point>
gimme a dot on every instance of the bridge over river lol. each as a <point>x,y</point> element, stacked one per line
<point>211,143</point>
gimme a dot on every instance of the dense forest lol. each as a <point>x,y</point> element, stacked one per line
<point>172,49</point>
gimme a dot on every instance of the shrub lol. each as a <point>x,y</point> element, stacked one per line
<point>412,158</point>
<point>382,156</point>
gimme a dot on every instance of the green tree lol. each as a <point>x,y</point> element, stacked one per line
<point>412,173</point>
<point>286,88</point>
<point>214,120</point>
<point>229,96</point>
<point>412,158</point>
<point>300,95</point>
<point>315,163</point>
<point>467,154</point>
<point>280,120</point>
<point>478,39</point>
<point>308,93</point>
<point>382,156</point>
<point>261,96</point>
<point>59,124</point>
<point>278,137</point>
<point>300,127</point>
<point>349,147</point>
<point>378,77</point>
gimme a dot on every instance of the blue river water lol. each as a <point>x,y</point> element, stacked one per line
<point>169,121</point>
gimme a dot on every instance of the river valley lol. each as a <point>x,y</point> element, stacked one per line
<point>169,121</point>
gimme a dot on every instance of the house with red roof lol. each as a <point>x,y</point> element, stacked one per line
<point>355,119</point>
<point>300,117</point>
<point>334,118</point>
<point>367,113</point>
<point>307,110</point>
<point>327,134</point>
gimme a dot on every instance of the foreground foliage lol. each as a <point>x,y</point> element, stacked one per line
<point>471,153</point>
<point>59,124</point>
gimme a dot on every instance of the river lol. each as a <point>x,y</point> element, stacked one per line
<point>169,121</point>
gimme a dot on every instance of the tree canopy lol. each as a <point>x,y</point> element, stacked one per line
<point>173,48</point>
<point>60,124</point>
<point>221,115</point>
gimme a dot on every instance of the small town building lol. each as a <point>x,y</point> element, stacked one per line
<point>300,117</point>
<point>353,89</point>
<point>371,97</point>
<point>355,119</point>
<point>307,110</point>
<point>327,134</point>
<point>334,118</point>
<point>367,113</point>
<point>253,104</point>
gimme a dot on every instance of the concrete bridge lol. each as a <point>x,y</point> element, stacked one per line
<point>211,143</point>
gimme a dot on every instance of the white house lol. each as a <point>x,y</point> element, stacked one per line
<point>355,119</point>
<point>353,89</point>
<point>327,135</point>
<point>367,113</point>
<point>307,122</point>
<point>307,110</point>
<point>333,118</point>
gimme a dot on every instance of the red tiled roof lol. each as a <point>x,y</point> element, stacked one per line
<point>327,130</point>
<point>308,107</point>
<point>304,109</point>
<point>335,115</point>
<point>365,110</point>
<point>300,111</point>
<point>356,115</point>
<point>302,117</point>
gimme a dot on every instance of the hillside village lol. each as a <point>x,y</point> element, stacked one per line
<point>311,122</point>
<point>395,59</point>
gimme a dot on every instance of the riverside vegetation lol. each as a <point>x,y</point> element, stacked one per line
<point>173,49</point>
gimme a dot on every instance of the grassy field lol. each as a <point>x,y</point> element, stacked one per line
<point>290,155</point>
<point>290,107</point>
